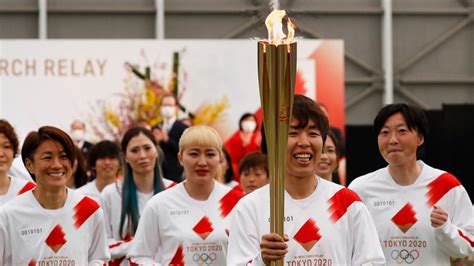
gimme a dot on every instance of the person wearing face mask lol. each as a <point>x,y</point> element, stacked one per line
<point>78,131</point>
<point>246,140</point>
<point>167,134</point>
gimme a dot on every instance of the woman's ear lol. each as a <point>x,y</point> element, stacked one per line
<point>421,140</point>
<point>180,159</point>
<point>29,165</point>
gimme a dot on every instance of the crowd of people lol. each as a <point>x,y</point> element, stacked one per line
<point>173,194</point>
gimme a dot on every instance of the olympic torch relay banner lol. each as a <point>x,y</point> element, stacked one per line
<point>54,82</point>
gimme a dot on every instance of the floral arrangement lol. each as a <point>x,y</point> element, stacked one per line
<point>139,103</point>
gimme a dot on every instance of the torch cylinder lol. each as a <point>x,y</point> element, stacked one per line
<point>276,73</point>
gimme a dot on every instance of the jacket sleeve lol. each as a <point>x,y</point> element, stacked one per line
<point>456,236</point>
<point>117,248</point>
<point>145,244</point>
<point>98,250</point>
<point>366,249</point>
<point>244,240</point>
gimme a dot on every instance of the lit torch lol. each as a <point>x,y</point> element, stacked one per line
<point>276,74</point>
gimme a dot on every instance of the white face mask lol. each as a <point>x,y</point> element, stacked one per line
<point>249,126</point>
<point>77,135</point>
<point>168,111</point>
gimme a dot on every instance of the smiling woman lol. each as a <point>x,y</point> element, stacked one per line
<point>330,157</point>
<point>427,203</point>
<point>55,214</point>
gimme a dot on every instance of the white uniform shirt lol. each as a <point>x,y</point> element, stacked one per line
<point>176,229</point>
<point>112,196</point>
<point>90,189</point>
<point>72,235</point>
<point>329,227</point>
<point>402,216</point>
<point>17,187</point>
<point>18,170</point>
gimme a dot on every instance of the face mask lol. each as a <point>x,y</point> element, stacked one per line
<point>168,111</point>
<point>77,134</point>
<point>249,126</point>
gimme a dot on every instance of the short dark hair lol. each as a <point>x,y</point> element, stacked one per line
<point>35,138</point>
<point>414,117</point>
<point>7,129</point>
<point>169,95</point>
<point>245,116</point>
<point>103,149</point>
<point>305,109</point>
<point>254,160</point>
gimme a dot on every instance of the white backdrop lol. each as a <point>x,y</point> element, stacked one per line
<point>53,82</point>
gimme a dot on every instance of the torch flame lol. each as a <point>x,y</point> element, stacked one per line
<point>274,24</point>
<point>291,31</point>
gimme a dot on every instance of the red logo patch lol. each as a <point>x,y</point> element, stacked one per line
<point>229,200</point>
<point>29,186</point>
<point>439,187</point>
<point>203,228</point>
<point>308,235</point>
<point>405,218</point>
<point>83,210</point>
<point>56,239</point>
<point>340,202</point>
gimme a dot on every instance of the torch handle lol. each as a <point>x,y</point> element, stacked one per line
<point>277,72</point>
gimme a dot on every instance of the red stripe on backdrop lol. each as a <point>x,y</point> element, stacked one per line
<point>329,60</point>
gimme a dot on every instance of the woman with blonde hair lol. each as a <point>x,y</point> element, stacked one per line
<point>179,223</point>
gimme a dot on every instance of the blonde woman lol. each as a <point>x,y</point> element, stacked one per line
<point>188,223</point>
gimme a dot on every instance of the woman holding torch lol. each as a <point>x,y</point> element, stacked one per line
<point>325,223</point>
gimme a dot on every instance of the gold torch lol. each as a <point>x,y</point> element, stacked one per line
<point>276,74</point>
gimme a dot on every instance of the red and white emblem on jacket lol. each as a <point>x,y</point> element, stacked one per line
<point>203,228</point>
<point>405,218</point>
<point>56,239</point>
<point>308,235</point>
